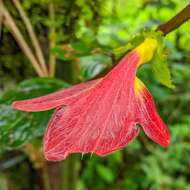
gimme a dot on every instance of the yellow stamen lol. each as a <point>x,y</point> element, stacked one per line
<point>146,50</point>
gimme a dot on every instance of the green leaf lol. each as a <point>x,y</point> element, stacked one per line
<point>16,127</point>
<point>32,88</point>
<point>81,47</point>
<point>93,65</point>
<point>59,53</point>
<point>160,68</point>
<point>137,39</point>
<point>105,173</point>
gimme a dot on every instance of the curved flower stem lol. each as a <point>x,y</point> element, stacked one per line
<point>176,21</point>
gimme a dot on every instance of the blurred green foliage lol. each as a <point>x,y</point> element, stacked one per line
<point>17,128</point>
<point>86,33</point>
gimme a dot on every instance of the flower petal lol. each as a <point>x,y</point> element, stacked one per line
<point>101,116</point>
<point>99,121</point>
<point>148,117</point>
<point>53,100</point>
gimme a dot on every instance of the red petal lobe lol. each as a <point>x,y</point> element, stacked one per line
<point>52,100</point>
<point>148,117</point>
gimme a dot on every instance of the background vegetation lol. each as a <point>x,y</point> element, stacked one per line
<point>76,38</point>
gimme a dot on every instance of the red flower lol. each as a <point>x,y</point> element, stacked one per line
<point>101,116</point>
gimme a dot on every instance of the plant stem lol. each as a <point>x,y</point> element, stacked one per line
<point>52,58</point>
<point>70,171</point>
<point>176,21</point>
<point>1,18</point>
<point>32,35</point>
<point>9,23</point>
